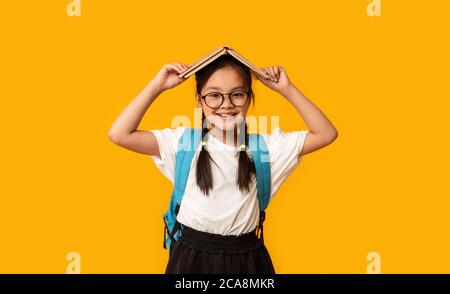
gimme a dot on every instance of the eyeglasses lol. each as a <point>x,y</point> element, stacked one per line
<point>216,99</point>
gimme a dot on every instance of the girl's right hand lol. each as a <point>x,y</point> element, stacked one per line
<point>167,77</point>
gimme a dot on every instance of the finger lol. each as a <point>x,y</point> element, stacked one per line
<point>275,77</point>
<point>272,73</point>
<point>171,67</point>
<point>179,67</point>
<point>267,71</point>
<point>264,70</point>
<point>264,78</point>
<point>277,71</point>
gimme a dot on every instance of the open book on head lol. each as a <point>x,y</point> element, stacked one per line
<point>204,61</point>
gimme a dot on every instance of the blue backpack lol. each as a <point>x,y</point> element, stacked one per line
<point>187,146</point>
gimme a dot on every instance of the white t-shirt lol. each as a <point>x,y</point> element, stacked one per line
<point>226,210</point>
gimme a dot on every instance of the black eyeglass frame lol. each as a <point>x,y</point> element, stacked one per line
<point>223,98</point>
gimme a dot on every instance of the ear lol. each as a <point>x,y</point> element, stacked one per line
<point>199,100</point>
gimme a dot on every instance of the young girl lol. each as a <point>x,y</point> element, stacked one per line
<point>219,211</point>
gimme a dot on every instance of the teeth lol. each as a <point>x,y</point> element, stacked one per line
<point>227,116</point>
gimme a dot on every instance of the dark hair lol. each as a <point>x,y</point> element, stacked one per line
<point>246,168</point>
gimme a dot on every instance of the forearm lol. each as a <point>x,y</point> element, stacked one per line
<point>316,121</point>
<point>128,121</point>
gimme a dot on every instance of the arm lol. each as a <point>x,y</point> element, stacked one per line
<point>322,132</point>
<point>124,129</point>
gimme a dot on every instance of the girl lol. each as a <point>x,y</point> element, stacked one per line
<point>219,211</point>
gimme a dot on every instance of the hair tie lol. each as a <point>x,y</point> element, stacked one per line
<point>243,146</point>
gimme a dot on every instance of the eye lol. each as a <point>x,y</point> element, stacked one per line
<point>214,95</point>
<point>239,94</point>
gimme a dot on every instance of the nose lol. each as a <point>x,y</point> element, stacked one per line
<point>226,102</point>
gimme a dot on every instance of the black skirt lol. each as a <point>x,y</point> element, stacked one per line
<point>198,252</point>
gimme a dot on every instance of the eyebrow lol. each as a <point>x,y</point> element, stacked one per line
<point>218,88</point>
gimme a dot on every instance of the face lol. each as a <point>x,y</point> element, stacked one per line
<point>228,116</point>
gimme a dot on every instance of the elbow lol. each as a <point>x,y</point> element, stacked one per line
<point>113,137</point>
<point>334,136</point>
<point>118,137</point>
<point>331,137</point>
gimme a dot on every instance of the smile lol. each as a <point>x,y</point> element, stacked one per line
<point>226,116</point>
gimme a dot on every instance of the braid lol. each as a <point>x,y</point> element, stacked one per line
<point>203,172</point>
<point>246,166</point>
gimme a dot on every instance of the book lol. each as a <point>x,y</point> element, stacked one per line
<point>216,53</point>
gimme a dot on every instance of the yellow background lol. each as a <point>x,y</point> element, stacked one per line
<point>383,81</point>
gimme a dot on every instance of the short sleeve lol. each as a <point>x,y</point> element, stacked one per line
<point>168,143</point>
<point>284,150</point>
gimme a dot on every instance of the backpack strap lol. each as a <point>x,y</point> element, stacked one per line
<point>260,154</point>
<point>186,149</point>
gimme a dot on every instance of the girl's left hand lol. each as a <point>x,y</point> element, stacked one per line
<point>278,81</point>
